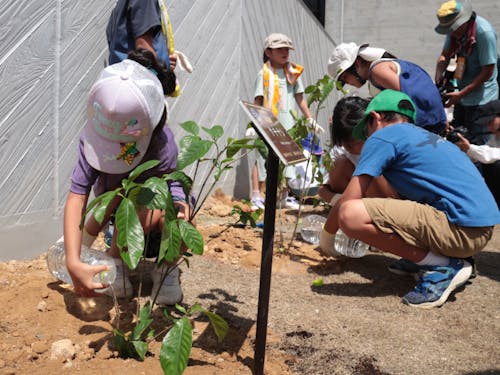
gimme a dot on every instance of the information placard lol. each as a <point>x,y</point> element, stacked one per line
<point>274,134</point>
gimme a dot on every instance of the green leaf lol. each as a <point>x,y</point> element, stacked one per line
<point>130,233</point>
<point>143,323</point>
<point>261,147</point>
<point>180,308</point>
<point>215,131</point>
<point>235,146</point>
<point>191,237</point>
<point>106,199</point>
<point>145,196</point>
<point>132,192</point>
<point>141,168</point>
<point>192,148</point>
<point>121,343</point>
<point>161,193</point>
<point>170,209</point>
<point>141,349</point>
<point>170,241</point>
<point>176,347</point>
<point>310,89</point>
<point>219,325</point>
<point>184,179</point>
<point>196,308</point>
<point>190,127</point>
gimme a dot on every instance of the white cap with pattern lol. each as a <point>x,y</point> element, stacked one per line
<point>124,107</point>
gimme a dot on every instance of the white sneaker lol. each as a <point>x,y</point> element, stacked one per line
<point>289,202</point>
<point>170,291</point>
<point>122,285</point>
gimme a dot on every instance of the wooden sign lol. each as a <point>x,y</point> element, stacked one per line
<point>273,133</point>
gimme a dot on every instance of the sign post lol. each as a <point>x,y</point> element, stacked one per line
<point>281,147</point>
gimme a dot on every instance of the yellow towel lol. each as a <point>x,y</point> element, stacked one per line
<point>166,28</point>
<point>271,84</point>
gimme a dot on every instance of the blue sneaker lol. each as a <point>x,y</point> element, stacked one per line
<point>405,267</point>
<point>437,282</point>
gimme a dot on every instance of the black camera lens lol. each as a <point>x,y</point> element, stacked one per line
<point>453,136</point>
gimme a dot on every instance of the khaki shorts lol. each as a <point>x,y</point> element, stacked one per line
<point>425,227</point>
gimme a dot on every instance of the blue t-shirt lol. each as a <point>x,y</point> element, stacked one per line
<point>129,20</point>
<point>484,52</point>
<point>425,168</point>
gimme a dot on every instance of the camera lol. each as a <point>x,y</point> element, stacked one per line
<point>453,137</point>
<point>446,85</point>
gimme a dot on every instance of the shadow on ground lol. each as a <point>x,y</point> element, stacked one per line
<point>226,305</point>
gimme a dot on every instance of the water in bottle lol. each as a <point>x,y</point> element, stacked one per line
<point>349,246</point>
<point>56,263</point>
<point>312,226</point>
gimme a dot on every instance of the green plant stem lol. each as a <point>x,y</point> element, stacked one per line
<point>302,191</point>
<point>200,203</point>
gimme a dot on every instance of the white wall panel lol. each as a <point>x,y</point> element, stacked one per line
<point>52,51</point>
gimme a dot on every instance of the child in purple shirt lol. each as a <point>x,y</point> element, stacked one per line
<point>126,115</point>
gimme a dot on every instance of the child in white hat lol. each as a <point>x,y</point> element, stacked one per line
<point>126,115</point>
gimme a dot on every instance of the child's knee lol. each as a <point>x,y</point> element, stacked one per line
<point>351,215</point>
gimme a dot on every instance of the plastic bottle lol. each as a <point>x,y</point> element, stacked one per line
<point>349,246</point>
<point>311,228</point>
<point>56,263</point>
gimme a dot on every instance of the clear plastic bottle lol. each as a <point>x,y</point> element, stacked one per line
<point>349,246</point>
<point>311,228</point>
<point>56,263</point>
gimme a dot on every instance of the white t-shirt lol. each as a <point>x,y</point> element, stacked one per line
<point>488,153</point>
<point>339,151</point>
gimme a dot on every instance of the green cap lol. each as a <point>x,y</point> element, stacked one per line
<point>385,101</point>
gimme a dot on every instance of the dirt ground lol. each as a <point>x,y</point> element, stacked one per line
<point>354,323</point>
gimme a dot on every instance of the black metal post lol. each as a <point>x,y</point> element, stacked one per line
<point>266,261</point>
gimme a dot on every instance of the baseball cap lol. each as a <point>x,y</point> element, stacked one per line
<point>125,105</point>
<point>342,58</point>
<point>488,112</point>
<point>277,40</point>
<point>453,14</point>
<point>386,101</point>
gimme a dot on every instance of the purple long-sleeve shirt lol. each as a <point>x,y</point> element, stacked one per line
<point>162,148</point>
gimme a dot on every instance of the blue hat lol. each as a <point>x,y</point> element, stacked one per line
<point>316,148</point>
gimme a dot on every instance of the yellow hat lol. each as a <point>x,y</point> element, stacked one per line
<point>453,14</point>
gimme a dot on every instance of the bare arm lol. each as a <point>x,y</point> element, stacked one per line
<point>482,77</point>
<point>302,103</point>
<point>80,273</point>
<point>356,189</point>
<point>338,178</point>
<point>385,75</point>
<point>441,64</point>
